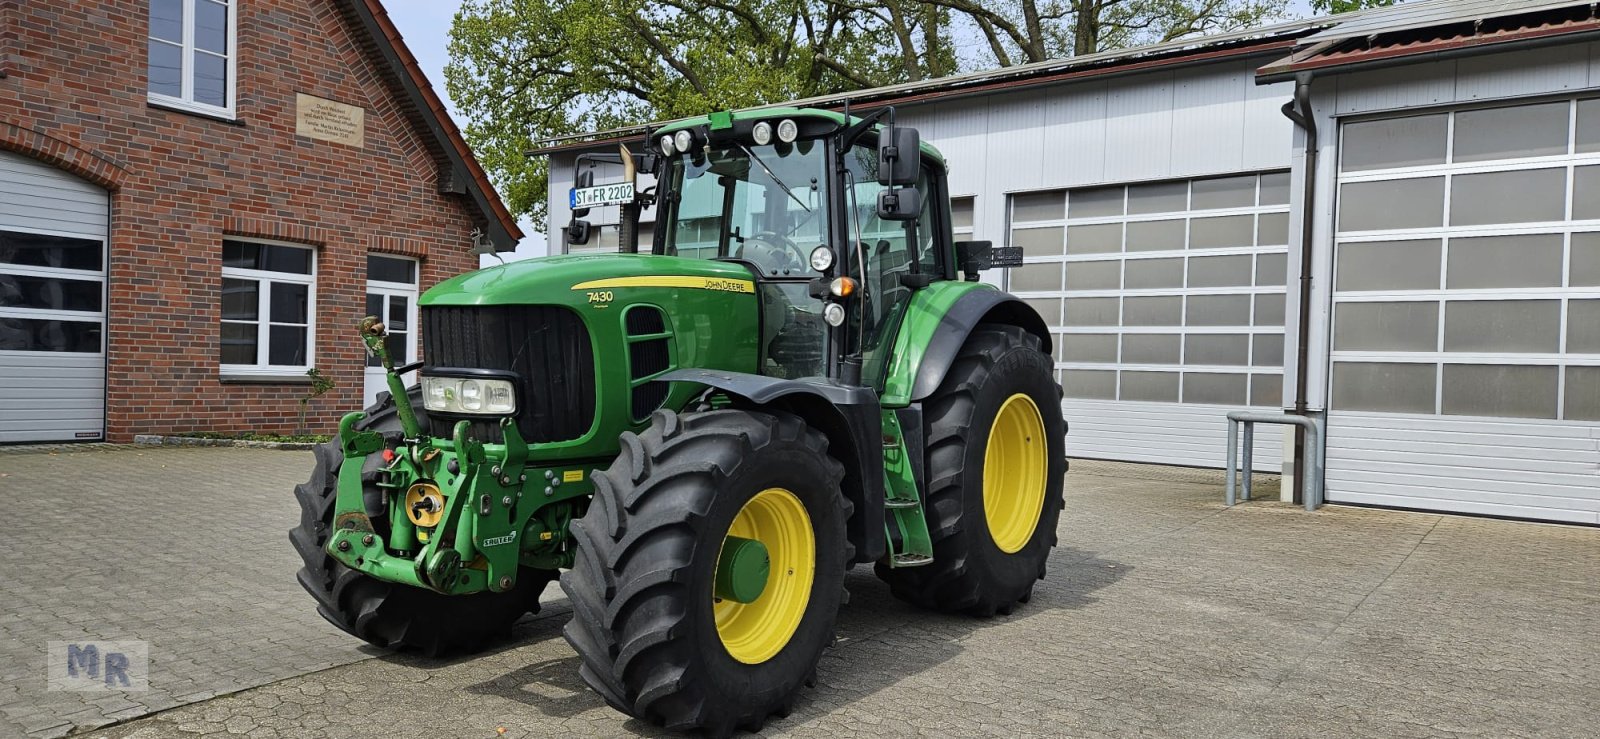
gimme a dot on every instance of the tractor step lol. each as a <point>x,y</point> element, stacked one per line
<point>911,560</point>
<point>899,503</point>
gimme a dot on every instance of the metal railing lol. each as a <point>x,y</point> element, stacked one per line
<point>1312,474</point>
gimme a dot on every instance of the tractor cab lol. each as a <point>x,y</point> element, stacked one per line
<point>839,220</point>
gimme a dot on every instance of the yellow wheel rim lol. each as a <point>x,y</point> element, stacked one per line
<point>754,632</point>
<point>1015,465</point>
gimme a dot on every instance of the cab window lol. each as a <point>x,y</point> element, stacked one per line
<point>762,204</point>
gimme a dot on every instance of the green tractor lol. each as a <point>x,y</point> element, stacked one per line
<point>700,440</point>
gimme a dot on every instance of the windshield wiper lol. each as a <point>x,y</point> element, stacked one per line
<point>774,177</point>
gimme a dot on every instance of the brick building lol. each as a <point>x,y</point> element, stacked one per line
<point>199,199</point>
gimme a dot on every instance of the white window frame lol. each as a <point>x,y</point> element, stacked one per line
<point>411,291</point>
<point>186,100</point>
<point>263,321</point>
<point>1251,329</point>
<point>1443,296</point>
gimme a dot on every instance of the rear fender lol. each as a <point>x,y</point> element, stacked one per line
<point>847,416</point>
<point>935,327</point>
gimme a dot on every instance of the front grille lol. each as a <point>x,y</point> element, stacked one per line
<point>647,357</point>
<point>547,346</point>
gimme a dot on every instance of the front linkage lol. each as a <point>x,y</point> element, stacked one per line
<point>462,515</point>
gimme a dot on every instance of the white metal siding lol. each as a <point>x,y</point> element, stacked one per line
<point>1162,433</point>
<point>36,197</point>
<point>45,395</point>
<point>1547,470</point>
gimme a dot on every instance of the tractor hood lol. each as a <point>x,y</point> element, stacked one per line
<point>569,279</point>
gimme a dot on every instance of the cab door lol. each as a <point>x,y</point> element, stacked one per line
<point>888,255</point>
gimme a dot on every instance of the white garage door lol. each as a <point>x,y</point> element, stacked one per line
<point>1168,300</point>
<point>1466,334</point>
<point>52,304</point>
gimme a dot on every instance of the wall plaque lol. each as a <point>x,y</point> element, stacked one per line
<point>329,120</point>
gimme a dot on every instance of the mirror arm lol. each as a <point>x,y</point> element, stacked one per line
<point>854,132</point>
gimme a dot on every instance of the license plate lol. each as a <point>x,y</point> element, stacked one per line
<point>589,197</point>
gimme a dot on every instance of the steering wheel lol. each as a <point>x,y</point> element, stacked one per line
<point>772,252</point>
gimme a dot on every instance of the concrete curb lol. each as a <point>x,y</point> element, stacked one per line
<point>157,440</point>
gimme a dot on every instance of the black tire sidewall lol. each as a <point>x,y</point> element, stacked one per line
<point>1025,370</point>
<point>793,467</point>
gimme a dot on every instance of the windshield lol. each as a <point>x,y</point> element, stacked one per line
<point>764,204</point>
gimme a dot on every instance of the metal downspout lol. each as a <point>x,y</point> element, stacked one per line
<point>1299,111</point>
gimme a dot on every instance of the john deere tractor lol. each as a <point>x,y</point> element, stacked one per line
<point>800,374</point>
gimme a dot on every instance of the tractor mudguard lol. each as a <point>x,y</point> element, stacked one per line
<point>936,326</point>
<point>848,416</point>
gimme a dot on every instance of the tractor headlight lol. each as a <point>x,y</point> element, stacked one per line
<point>762,133</point>
<point>788,131</point>
<point>833,313</point>
<point>683,140</point>
<point>821,258</point>
<point>666,145</point>
<point>470,395</point>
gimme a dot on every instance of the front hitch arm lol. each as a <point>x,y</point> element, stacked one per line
<point>376,335</point>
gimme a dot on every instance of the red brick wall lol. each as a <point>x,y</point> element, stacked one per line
<point>74,95</point>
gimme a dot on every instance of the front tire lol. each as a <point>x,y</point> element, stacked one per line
<point>656,641</point>
<point>387,614</point>
<point>995,460</point>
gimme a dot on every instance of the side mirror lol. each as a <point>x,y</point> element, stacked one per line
<point>578,231</point>
<point>900,204</point>
<point>899,156</point>
<point>582,180</point>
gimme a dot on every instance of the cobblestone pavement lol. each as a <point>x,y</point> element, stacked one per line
<point>1163,613</point>
<point>183,548</point>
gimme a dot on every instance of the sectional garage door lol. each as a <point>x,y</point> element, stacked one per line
<point>1168,300</point>
<point>52,304</point>
<point>1466,313</point>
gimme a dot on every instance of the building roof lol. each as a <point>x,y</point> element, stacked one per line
<point>459,171</point>
<point>1439,28</point>
<point>1246,42</point>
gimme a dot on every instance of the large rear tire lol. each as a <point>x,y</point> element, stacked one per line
<point>387,614</point>
<point>995,460</point>
<point>656,641</point>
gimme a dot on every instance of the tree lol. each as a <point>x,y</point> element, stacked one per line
<point>527,70</point>
<point>1345,6</point>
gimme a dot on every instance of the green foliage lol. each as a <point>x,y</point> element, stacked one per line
<point>1345,6</point>
<point>525,71</point>
<point>320,383</point>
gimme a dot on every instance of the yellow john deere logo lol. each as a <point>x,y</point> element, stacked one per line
<point>721,284</point>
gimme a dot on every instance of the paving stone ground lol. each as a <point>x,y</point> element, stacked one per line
<point>1163,613</point>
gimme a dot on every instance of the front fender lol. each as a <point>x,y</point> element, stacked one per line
<point>847,415</point>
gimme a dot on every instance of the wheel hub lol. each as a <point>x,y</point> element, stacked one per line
<point>742,570</point>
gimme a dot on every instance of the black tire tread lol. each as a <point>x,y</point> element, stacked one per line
<point>650,502</point>
<point>948,584</point>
